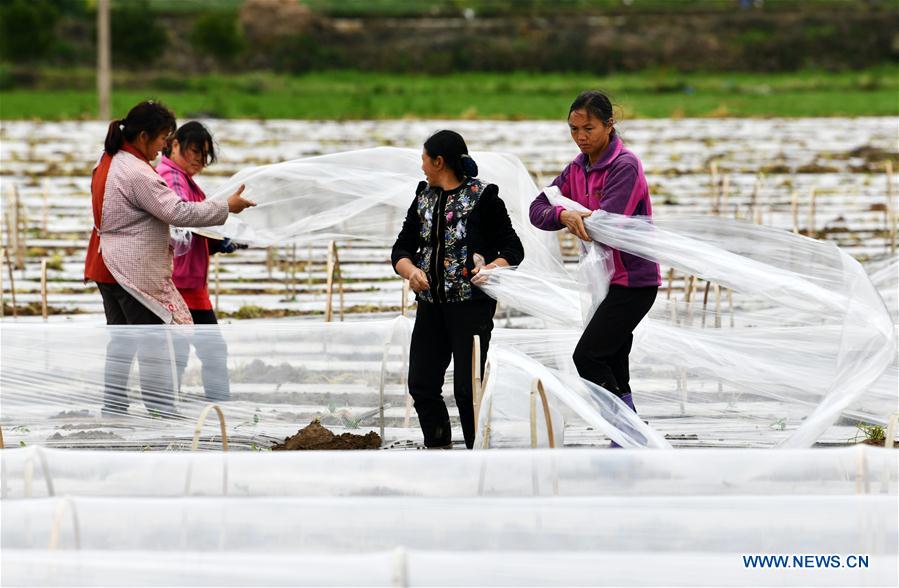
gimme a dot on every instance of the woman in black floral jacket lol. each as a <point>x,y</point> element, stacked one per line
<point>454,217</point>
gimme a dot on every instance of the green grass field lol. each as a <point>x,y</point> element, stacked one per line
<point>343,95</point>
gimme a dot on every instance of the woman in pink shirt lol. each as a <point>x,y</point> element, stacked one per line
<point>190,151</point>
<point>606,176</point>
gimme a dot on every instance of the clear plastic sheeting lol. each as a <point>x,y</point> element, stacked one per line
<point>507,417</point>
<point>402,567</point>
<point>144,387</point>
<point>553,514</point>
<point>811,330</point>
<point>38,472</point>
<point>361,194</point>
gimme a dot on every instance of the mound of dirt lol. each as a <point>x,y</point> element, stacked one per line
<point>315,436</point>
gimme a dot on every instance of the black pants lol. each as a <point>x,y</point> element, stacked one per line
<point>443,331</point>
<point>601,355</point>
<point>150,346</point>
<point>212,350</point>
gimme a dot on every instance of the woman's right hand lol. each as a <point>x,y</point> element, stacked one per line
<point>236,203</point>
<point>418,280</point>
<point>574,222</point>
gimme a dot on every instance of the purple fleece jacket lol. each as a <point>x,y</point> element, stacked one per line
<point>614,184</point>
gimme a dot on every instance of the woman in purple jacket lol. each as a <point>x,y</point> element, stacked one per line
<point>605,176</point>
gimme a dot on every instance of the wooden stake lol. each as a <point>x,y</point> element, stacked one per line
<point>537,388</point>
<point>12,282</point>
<point>44,288</point>
<point>333,271</point>
<point>717,306</point>
<point>688,293</point>
<point>475,377</point>
<point>725,188</point>
<point>405,297</point>
<point>716,193</point>
<point>293,270</point>
<point>45,209</point>
<point>891,208</point>
<point>329,283</point>
<point>269,260</point>
<point>811,212</point>
<point>21,230</point>
<point>705,301</point>
<point>670,283</point>
<point>215,265</point>
<point>794,208</point>
<point>730,305</point>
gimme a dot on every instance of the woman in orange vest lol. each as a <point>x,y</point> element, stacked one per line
<point>129,255</point>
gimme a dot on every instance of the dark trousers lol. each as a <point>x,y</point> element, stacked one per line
<point>150,346</point>
<point>601,355</point>
<point>211,349</point>
<point>441,332</point>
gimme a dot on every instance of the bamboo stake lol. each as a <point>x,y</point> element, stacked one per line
<point>811,211</point>
<point>794,208</point>
<point>339,279</point>
<point>688,293</point>
<point>21,230</point>
<point>309,268</point>
<point>333,271</point>
<point>405,303</point>
<point>537,388</point>
<point>891,208</point>
<point>1,438</point>
<point>2,287</point>
<point>329,283</point>
<point>717,306</point>
<point>45,212</point>
<point>215,265</point>
<point>725,188</point>
<point>12,282</point>
<point>670,281</point>
<point>475,377</point>
<point>381,386</point>
<point>730,305</point>
<point>890,437</point>
<point>269,261</point>
<point>705,301</point>
<point>202,419</point>
<point>44,288</point>
<point>293,270</point>
<point>716,193</point>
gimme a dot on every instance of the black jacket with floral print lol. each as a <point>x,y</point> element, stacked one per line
<point>445,228</point>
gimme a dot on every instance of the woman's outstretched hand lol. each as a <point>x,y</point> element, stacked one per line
<point>236,203</point>
<point>574,222</point>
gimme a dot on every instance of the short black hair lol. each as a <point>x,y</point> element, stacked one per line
<point>194,134</point>
<point>595,103</point>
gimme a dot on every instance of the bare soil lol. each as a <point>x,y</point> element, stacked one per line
<point>315,436</point>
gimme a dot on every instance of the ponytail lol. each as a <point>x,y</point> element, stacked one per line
<point>149,117</point>
<point>115,138</point>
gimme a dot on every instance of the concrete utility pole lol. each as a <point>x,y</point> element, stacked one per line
<point>104,61</point>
